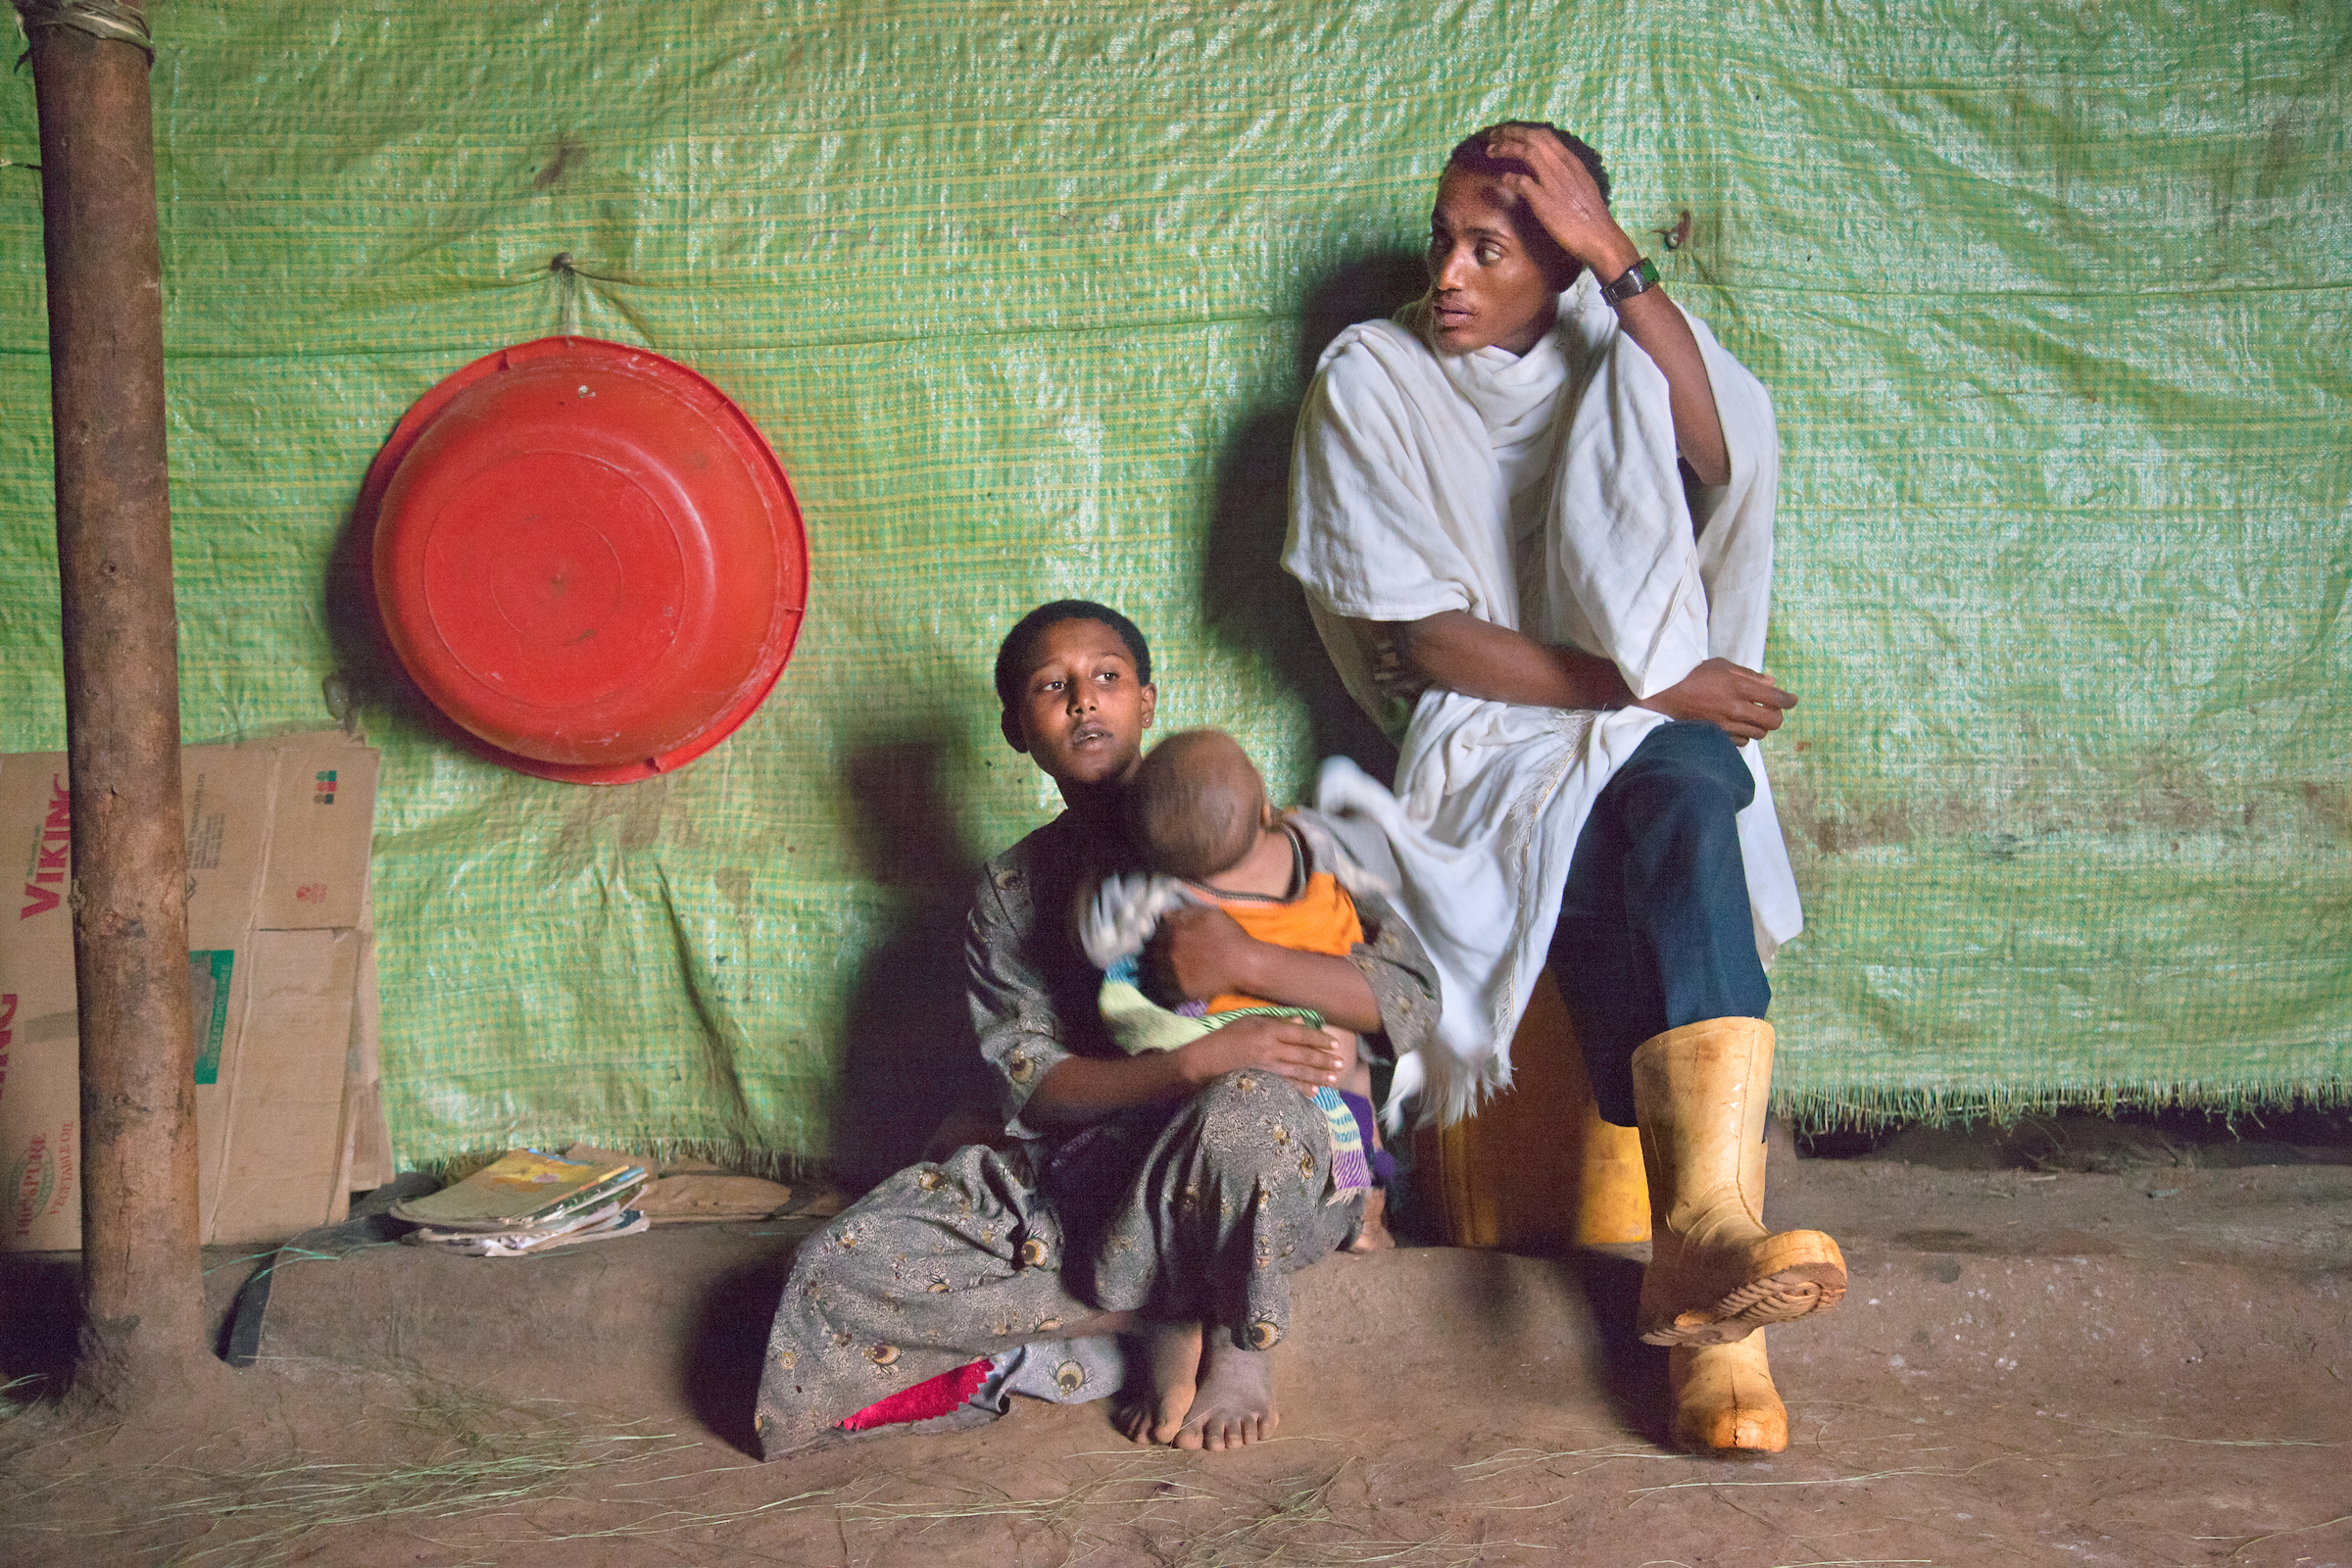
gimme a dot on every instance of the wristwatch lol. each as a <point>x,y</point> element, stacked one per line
<point>1638,278</point>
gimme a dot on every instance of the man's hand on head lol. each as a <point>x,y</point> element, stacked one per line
<point>1561,195</point>
<point>1744,704</point>
<point>1559,191</point>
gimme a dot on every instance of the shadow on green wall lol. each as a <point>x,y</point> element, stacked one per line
<point>1248,601</point>
<point>368,676</point>
<point>909,1054</point>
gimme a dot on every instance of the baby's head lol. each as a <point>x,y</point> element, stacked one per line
<point>1198,804</point>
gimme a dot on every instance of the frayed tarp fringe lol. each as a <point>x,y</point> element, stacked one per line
<point>741,1159</point>
<point>1866,1108</point>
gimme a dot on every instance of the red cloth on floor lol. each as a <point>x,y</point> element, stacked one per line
<point>932,1397</point>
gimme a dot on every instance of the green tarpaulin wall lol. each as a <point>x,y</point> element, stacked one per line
<point>2053,301</point>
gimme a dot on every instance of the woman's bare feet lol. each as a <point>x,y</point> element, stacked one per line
<point>1235,1404</point>
<point>1164,1361</point>
<point>1372,1233</point>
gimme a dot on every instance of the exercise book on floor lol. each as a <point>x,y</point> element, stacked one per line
<point>594,1225</point>
<point>524,1189</point>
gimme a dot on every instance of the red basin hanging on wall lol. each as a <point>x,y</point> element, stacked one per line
<point>587,557</point>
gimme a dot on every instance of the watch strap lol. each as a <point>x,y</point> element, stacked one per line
<point>1637,279</point>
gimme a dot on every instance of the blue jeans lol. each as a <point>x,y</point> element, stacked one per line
<point>1654,928</point>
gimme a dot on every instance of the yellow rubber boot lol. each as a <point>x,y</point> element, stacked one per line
<point>1700,1095</point>
<point>1724,1400</point>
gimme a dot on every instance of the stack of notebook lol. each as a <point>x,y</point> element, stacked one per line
<point>527,1202</point>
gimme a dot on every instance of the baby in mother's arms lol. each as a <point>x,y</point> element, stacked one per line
<point>1211,839</point>
<point>1163,1197</point>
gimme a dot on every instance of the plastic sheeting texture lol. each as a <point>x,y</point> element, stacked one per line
<point>2052,299</point>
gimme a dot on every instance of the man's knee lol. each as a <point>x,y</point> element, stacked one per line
<point>1684,768</point>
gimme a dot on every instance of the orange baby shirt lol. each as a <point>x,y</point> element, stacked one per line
<point>1320,919</point>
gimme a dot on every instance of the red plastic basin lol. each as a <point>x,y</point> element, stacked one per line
<point>587,557</point>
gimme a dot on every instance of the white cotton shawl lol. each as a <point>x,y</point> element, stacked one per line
<point>1401,506</point>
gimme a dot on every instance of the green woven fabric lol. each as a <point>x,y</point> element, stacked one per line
<point>2052,299</point>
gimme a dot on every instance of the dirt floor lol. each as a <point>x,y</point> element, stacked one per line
<point>2074,1343</point>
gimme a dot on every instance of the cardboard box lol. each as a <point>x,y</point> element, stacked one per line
<point>365,1141</point>
<point>40,1053</point>
<point>281,973</point>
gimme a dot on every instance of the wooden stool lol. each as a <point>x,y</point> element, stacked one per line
<point>1537,1169</point>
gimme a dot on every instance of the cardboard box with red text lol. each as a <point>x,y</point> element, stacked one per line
<point>281,966</point>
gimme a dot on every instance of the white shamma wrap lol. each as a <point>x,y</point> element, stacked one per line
<point>1540,493</point>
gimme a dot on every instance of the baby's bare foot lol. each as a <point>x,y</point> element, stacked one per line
<point>1372,1233</point>
<point>1235,1406</point>
<point>1164,1368</point>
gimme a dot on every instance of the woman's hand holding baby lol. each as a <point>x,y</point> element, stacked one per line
<point>1304,1054</point>
<point>1202,951</point>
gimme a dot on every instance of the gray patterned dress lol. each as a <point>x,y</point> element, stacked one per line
<point>1198,1211</point>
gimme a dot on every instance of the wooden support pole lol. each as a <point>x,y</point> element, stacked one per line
<point>142,1276</point>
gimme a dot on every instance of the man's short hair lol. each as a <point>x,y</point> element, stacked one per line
<point>1470,154</point>
<point>1017,656</point>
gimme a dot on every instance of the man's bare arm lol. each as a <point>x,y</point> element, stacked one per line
<point>1460,652</point>
<point>1656,323</point>
<point>1563,198</point>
